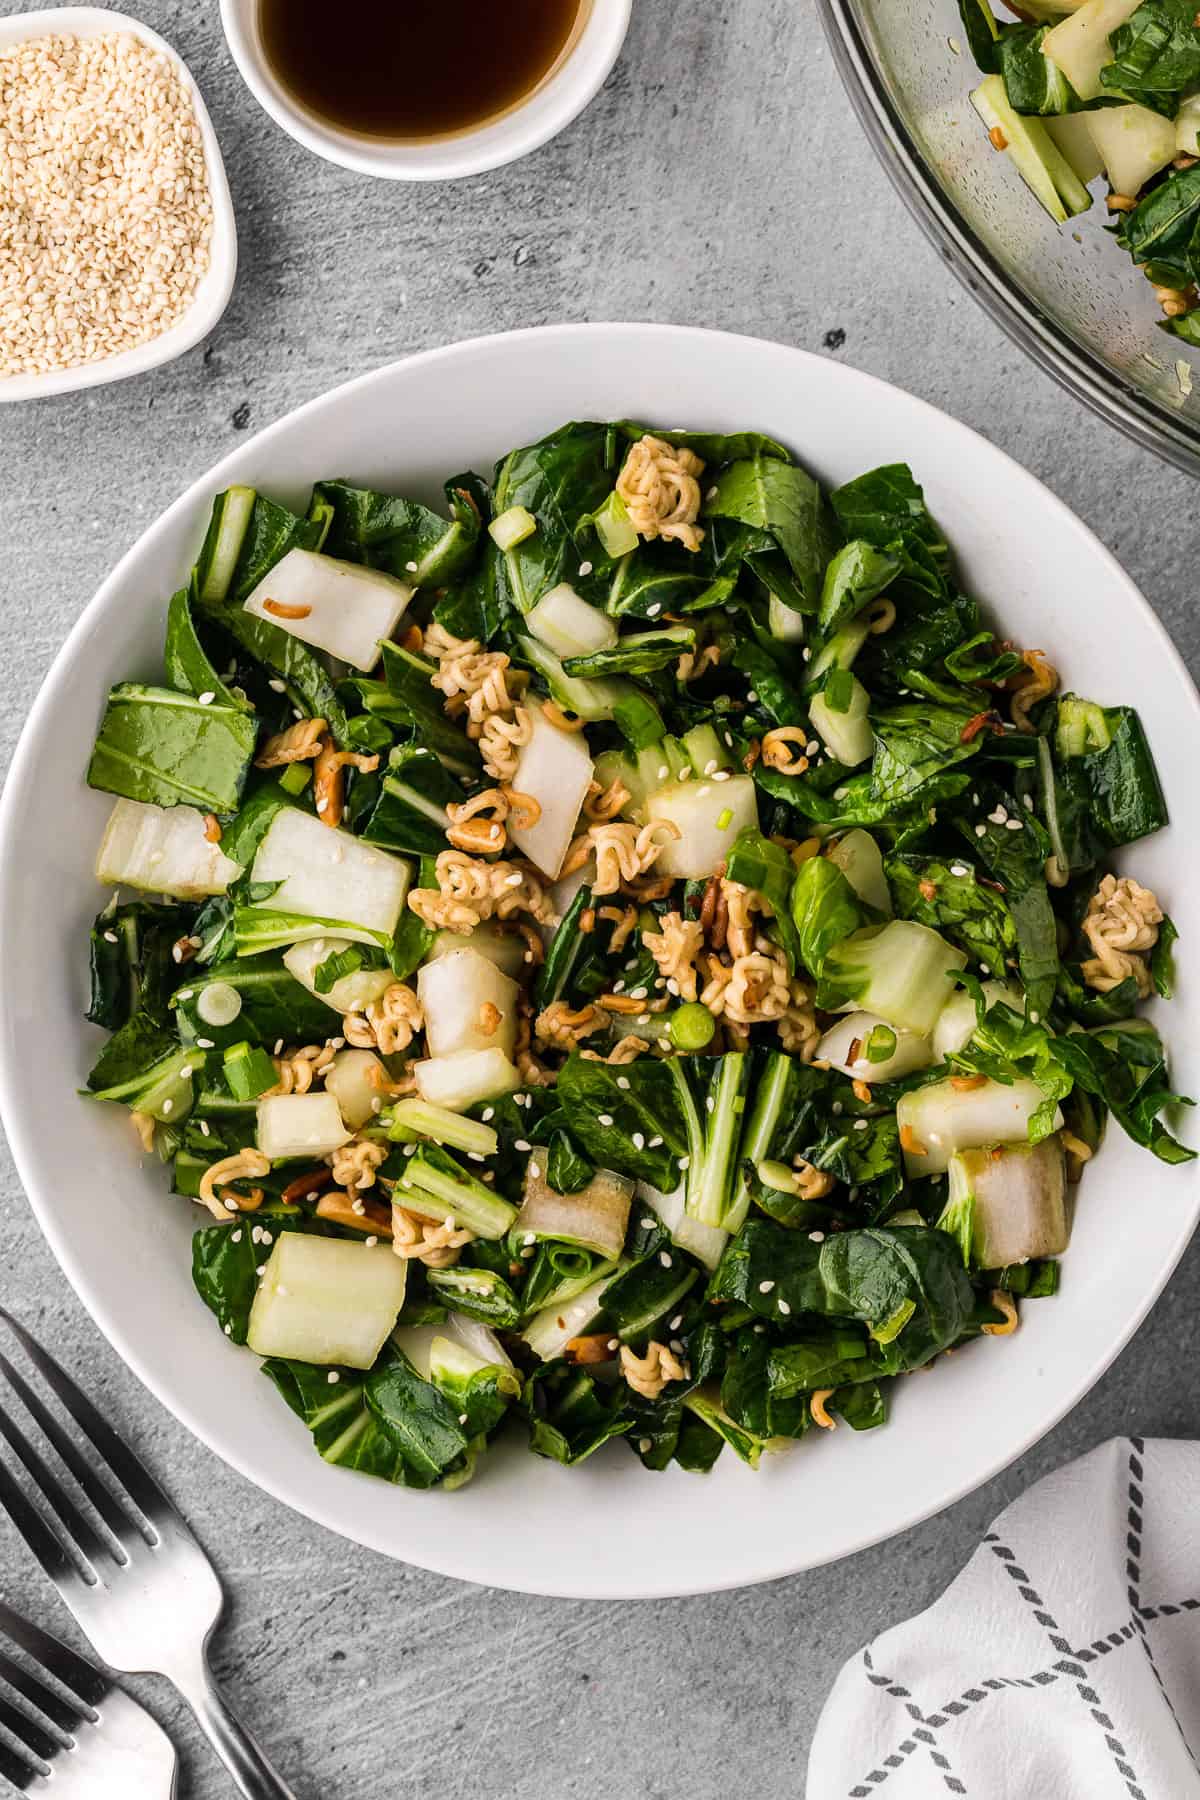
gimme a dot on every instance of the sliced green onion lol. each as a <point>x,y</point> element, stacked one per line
<point>512,528</point>
<point>691,1026</point>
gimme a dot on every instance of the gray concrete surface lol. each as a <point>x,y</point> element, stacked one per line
<point>720,179</point>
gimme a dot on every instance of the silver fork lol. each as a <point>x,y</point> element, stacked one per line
<point>101,1744</point>
<point>143,1591</point>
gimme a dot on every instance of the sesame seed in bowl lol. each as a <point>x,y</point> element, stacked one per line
<point>120,249</point>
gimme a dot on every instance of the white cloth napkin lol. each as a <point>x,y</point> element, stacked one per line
<point>1062,1664</point>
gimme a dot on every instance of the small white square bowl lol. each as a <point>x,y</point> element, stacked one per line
<point>216,285</point>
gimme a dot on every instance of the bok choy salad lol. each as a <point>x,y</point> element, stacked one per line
<point>1074,91</point>
<point>632,955</point>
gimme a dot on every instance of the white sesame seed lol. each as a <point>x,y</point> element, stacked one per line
<point>655,1142</point>
<point>605,1119</point>
<point>645,1445</point>
<point>959,869</point>
<point>652,612</point>
<point>860,1124</point>
<point>648,1223</point>
<point>766,1287</point>
<point>664,1257</point>
<point>229,1331</point>
<point>623,1083</point>
<point>685,1162</point>
<point>168,1106</point>
<point>1013,825</point>
<point>784,1307</point>
<point>639,1141</point>
<point>333,1378</point>
<point>110,937</point>
<point>205,699</point>
<point>204,1043</point>
<point>277,686</point>
<point>235,1237</point>
<point>411,567</point>
<point>816,1237</point>
<point>489,1112</point>
<point>535,1171</point>
<point>585,568</point>
<point>981,831</point>
<point>523,1145</point>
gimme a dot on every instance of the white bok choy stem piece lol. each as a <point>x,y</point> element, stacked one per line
<point>411,1120</point>
<point>503,946</point>
<point>322,1300</point>
<point>326,874</point>
<point>596,1217</point>
<point>902,971</point>
<point>476,1340</point>
<point>353,1079</point>
<point>956,1022</point>
<point>937,1120</point>
<point>1069,133</point>
<point>162,850</point>
<point>846,735</point>
<point>335,606</point>
<point>467,1004</point>
<point>565,622</point>
<point>350,993</point>
<point>1187,126</point>
<point>549,1332</point>
<point>555,769</point>
<point>1079,44</point>
<point>709,815</point>
<point>461,1081</point>
<point>704,1242</point>
<point>308,1125</point>
<point>1134,142</point>
<point>860,859</point>
<point>867,1048</point>
<point>1008,1203</point>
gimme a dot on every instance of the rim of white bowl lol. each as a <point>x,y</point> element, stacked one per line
<point>23,771</point>
<point>549,109</point>
<point>216,284</point>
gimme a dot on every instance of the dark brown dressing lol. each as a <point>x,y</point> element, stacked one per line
<point>405,69</point>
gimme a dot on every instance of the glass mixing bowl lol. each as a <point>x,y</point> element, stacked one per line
<point>1068,295</point>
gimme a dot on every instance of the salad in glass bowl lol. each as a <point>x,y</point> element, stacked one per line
<point>634,956</point>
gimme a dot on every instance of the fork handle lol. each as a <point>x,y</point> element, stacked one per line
<point>237,1749</point>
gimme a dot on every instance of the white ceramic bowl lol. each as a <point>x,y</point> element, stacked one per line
<point>216,285</point>
<point>571,86</point>
<point>607,1528</point>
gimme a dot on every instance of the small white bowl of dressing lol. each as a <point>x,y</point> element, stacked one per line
<point>215,285</point>
<point>556,96</point>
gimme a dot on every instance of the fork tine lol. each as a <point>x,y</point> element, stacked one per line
<point>21,1774</point>
<point>132,1474</point>
<point>27,1731</point>
<point>37,1534</point>
<point>114,1515</point>
<point>77,1526</point>
<point>30,1688</point>
<point>79,1676</point>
